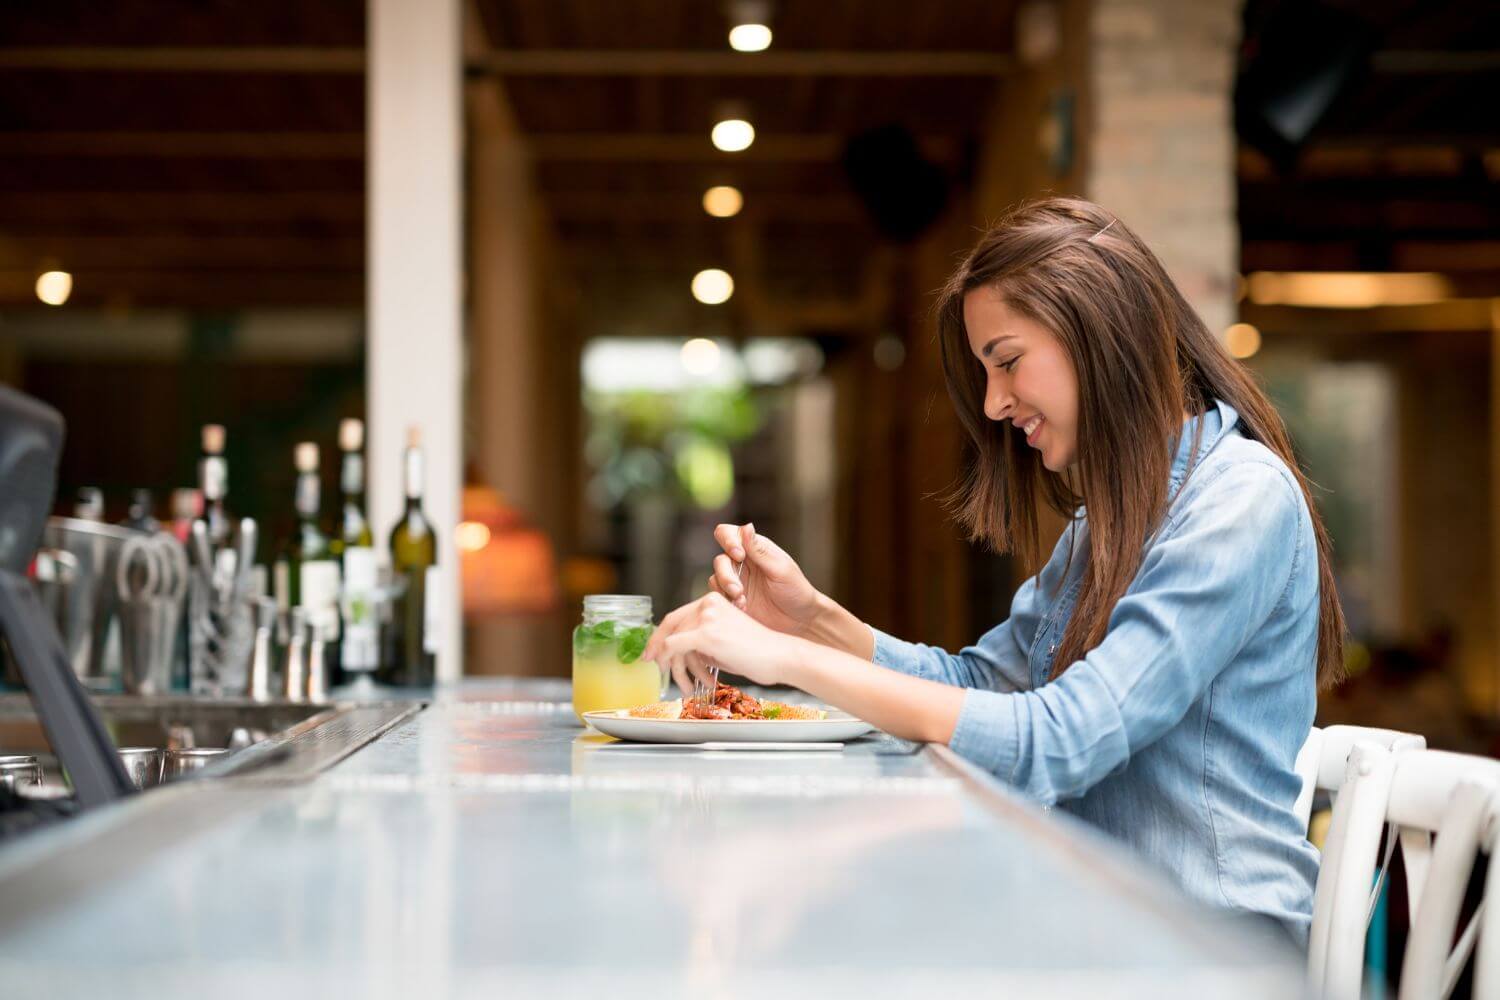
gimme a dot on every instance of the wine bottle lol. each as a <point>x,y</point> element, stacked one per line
<point>213,482</point>
<point>359,650</point>
<point>309,573</point>
<point>411,642</point>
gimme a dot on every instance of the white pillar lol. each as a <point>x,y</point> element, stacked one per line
<point>414,273</point>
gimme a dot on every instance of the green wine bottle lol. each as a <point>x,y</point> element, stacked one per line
<point>359,649</point>
<point>311,574</point>
<point>411,648</point>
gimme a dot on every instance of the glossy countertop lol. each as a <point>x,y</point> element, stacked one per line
<point>490,846</point>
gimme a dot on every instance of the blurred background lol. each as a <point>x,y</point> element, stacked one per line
<point>672,283</point>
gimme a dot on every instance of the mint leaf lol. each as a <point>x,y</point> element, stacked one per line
<point>580,639</point>
<point>603,632</point>
<point>633,643</point>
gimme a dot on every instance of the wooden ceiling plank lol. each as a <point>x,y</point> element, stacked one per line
<point>628,62</point>
<point>184,59</point>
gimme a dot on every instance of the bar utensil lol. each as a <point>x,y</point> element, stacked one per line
<point>144,765</point>
<point>260,657</point>
<point>151,579</point>
<point>295,675</point>
<point>19,771</point>
<point>221,632</point>
<point>182,762</point>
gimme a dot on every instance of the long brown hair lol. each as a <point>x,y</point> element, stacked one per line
<point>1137,348</point>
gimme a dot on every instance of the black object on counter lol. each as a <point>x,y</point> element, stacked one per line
<point>31,437</point>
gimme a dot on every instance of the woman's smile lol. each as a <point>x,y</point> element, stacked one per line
<point>1031,428</point>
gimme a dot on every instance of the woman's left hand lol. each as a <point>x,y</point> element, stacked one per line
<point>711,630</point>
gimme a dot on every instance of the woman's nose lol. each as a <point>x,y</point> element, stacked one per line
<point>998,401</point>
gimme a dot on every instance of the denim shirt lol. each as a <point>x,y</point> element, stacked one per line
<point>1178,732</point>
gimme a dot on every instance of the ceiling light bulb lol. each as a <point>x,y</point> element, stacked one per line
<point>749,38</point>
<point>54,287</point>
<point>713,286</point>
<point>723,201</point>
<point>1242,339</point>
<point>700,356</point>
<point>471,536</point>
<point>733,135</point>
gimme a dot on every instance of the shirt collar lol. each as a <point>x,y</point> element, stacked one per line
<point>1217,421</point>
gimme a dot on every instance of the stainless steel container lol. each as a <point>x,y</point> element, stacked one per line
<point>19,771</point>
<point>75,581</point>
<point>181,762</point>
<point>144,765</point>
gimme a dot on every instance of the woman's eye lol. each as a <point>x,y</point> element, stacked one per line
<point>1009,366</point>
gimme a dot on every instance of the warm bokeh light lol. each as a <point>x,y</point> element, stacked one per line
<point>723,201</point>
<point>713,286</point>
<point>700,356</point>
<point>1346,289</point>
<point>54,287</point>
<point>1242,339</point>
<point>471,536</point>
<point>733,135</point>
<point>749,38</point>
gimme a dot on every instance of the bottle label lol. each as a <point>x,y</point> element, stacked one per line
<point>360,649</point>
<point>320,597</point>
<point>215,473</point>
<point>430,600</point>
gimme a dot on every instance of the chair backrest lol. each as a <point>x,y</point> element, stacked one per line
<point>1320,762</point>
<point>1454,797</point>
<point>1418,793</point>
<point>1341,919</point>
<point>1487,958</point>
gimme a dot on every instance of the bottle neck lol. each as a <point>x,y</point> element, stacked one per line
<point>413,476</point>
<point>352,477</point>
<point>308,496</point>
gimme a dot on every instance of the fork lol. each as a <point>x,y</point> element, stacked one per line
<point>704,690</point>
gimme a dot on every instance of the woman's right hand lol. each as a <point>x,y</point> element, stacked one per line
<point>759,578</point>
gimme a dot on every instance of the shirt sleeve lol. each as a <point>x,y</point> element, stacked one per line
<point>1204,588</point>
<point>999,661</point>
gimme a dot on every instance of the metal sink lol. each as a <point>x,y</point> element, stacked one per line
<point>289,741</point>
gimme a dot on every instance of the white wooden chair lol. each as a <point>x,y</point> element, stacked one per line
<point>1419,793</point>
<point>1323,764</point>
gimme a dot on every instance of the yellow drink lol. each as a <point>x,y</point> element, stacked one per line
<point>602,683</point>
<point>608,672</point>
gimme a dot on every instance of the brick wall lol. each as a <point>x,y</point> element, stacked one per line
<point>1161,136</point>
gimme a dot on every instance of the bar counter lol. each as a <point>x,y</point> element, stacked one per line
<point>487,846</point>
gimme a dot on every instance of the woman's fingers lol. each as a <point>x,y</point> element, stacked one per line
<point>729,538</point>
<point>727,578</point>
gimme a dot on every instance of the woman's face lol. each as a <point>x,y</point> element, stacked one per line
<point>1029,379</point>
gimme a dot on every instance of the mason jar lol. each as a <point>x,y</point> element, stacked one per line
<point>608,672</point>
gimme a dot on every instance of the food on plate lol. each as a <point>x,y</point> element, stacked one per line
<point>729,703</point>
<point>659,710</point>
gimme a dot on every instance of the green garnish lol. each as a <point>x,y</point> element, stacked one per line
<point>771,712</point>
<point>633,643</point>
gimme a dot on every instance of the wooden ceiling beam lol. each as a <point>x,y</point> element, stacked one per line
<point>187,254</point>
<point>610,147</point>
<point>64,208</point>
<point>686,208</point>
<point>185,59</point>
<point>188,145</point>
<point>215,289</point>
<point>513,62</point>
<point>634,62</point>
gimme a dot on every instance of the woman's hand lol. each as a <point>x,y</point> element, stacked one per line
<point>758,577</point>
<point>710,630</point>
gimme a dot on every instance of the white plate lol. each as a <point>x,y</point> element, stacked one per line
<point>836,728</point>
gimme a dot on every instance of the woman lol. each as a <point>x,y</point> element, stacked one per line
<point>1159,674</point>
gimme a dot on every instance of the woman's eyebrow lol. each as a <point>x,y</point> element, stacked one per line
<point>985,351</point>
